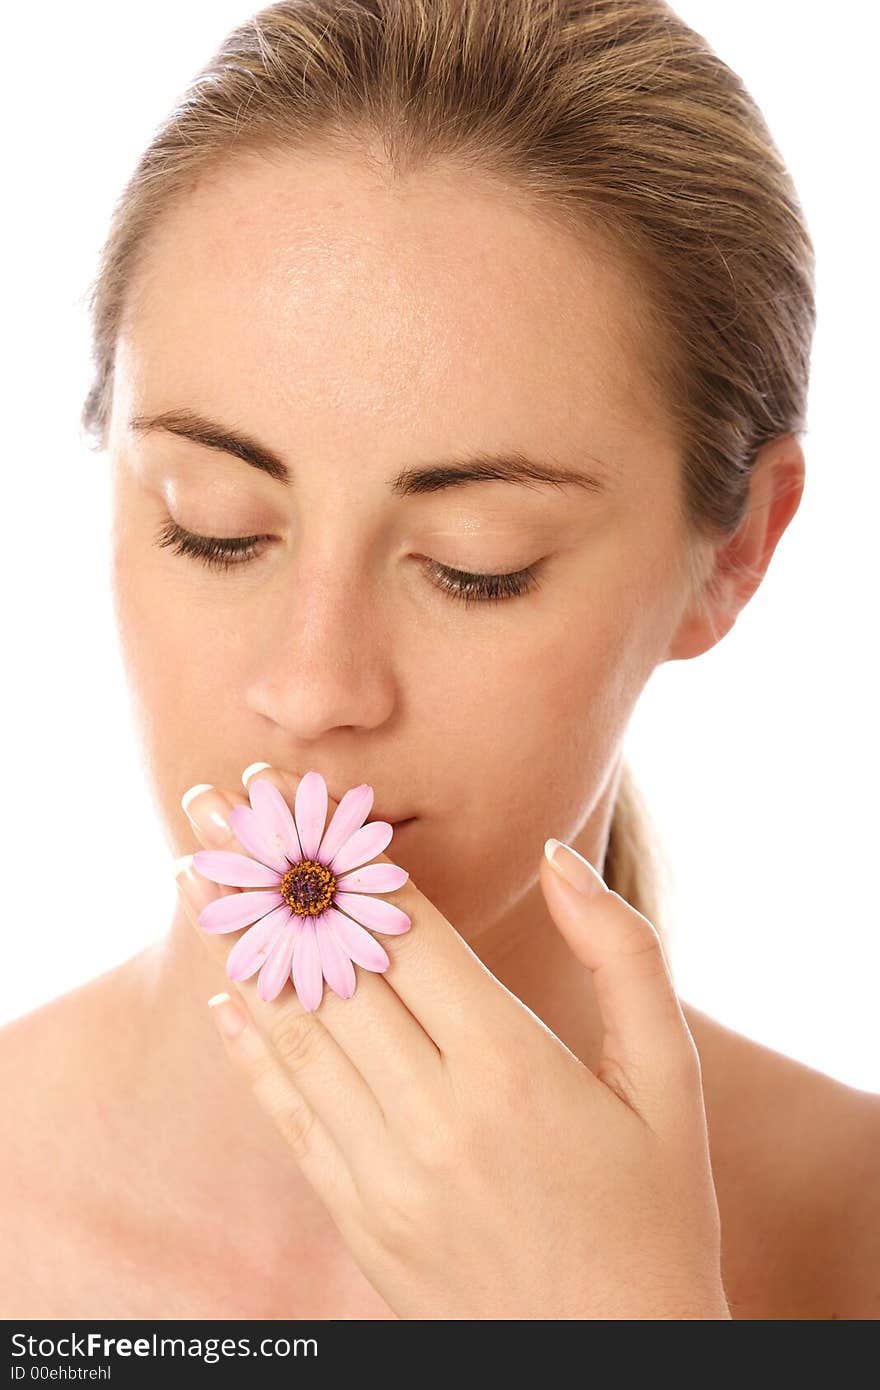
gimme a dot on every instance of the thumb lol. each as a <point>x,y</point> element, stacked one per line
<point>647,1048</point>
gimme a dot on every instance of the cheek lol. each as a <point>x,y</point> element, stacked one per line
<point>183,677</point>
<point>540,721</point>
<point>580,703</point>
<point>535,708</point>
<point>179,633</point>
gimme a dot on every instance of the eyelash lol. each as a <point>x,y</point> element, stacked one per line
<point>226,553</point>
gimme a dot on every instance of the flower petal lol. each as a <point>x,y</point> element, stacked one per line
<point>362,948</point>
<point>235,870</point>
<point>276,972</point>
<point>250,951</point>
<point>259,843</point>
<point>348,817</point>
<point>373,878</point>
<point>308,976</point>
<point>237,910</point>
<point>335,962</point>
<point>373,913</point>
<point>275,817</point>
<point>310,813</point>
<point>364,844</point>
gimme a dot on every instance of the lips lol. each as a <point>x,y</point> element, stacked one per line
<point>381,815</point>
<point>374,815</point>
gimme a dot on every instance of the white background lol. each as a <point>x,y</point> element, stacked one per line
<point>758,759</point>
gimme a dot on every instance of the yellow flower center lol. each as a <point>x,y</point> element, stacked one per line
<point>308,888</point>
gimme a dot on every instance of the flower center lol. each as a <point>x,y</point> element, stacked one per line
<point>308,888</point>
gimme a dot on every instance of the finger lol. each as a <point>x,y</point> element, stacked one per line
<point>385,1041</point>
<point>389,1047</point>
<point>328,1082</point>
<point>648,1052</point>
<point>432,970</point>
<point>314,1149</point>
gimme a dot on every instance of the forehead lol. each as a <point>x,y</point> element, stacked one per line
<point>308,285</point>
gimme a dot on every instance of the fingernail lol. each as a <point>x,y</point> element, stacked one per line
<point>249,772</point>
<point>195,892</point>
<point>578,871</point>
<point>228,1017</point>
<point>206,812</point>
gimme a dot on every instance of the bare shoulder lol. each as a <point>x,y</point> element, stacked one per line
<point>795,1155</point>
<point>48,1122</point>
<point>34,1061</point>
<point>42,1065</point>
<point>31,1126</point>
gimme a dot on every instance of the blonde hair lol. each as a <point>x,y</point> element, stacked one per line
<point>611,116</point>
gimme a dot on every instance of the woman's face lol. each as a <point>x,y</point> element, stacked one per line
<point>361,335</point>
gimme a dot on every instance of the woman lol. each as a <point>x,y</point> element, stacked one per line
<point>372,247</point>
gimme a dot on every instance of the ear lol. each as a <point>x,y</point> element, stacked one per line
<point>739,563</point>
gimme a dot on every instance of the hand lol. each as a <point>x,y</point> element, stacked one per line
<point>474,1166</point>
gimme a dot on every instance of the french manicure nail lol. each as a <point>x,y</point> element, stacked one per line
<point>194,890</point>
<point>192,793</point>
<point>208,815</point>
<point>573,867</point>
<point>227,1015</point>
<point>183,872</point>
<point>249,772</point>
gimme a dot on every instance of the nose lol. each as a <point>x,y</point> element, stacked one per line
<point>323,656</point>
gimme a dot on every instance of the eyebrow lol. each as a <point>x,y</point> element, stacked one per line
<point>511,466</point>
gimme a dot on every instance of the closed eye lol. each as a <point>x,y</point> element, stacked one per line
<point>483,588</point>
<point>217,552</point>
<point>228,552</point>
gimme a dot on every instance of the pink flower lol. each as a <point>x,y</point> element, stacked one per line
<point>307,919</point>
